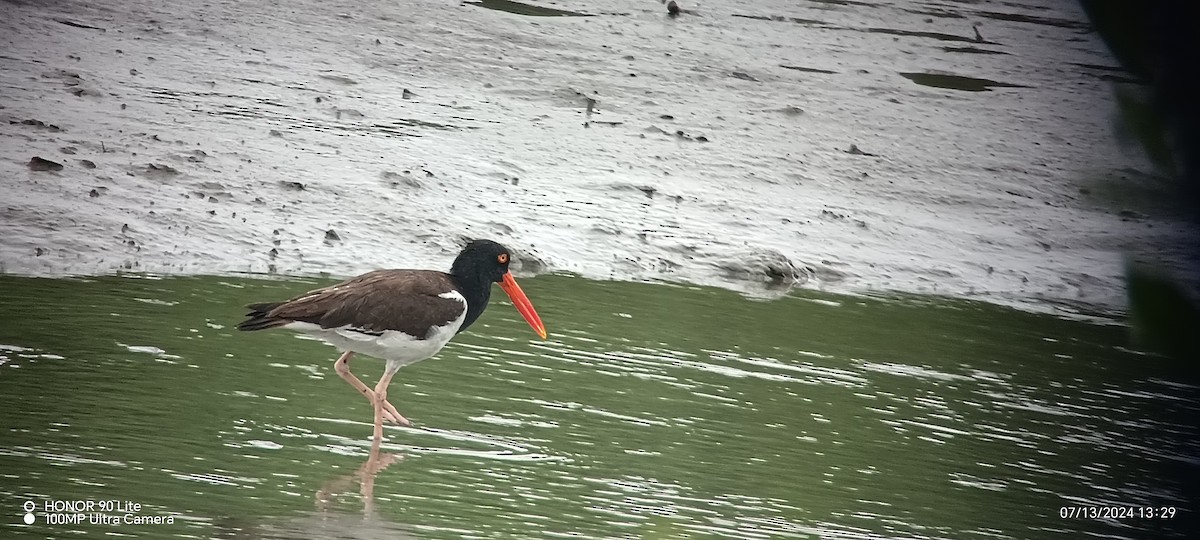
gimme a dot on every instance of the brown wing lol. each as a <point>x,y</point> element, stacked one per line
<point>404,300</point>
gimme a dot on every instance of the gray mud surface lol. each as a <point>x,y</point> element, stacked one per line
<point>847,146</point>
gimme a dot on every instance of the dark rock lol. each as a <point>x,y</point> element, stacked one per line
<point>807,69</point>
<point>339,79</point>
<point>332,236</point>
<point>828,214</point>
<point>292,185</point>
<point>395,179</point>
<point>856,152</point>
<point>527,262</point>
<point>87,163</point>
<point>40,164</point>
<point>79,25</point>
<point>156,169</point>
<point>37,123</point>
<point>673,8</point>
<point>764,265</point>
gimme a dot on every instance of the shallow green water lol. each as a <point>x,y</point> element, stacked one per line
<point>653,411</point>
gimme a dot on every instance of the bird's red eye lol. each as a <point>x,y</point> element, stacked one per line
<point>502,258</point>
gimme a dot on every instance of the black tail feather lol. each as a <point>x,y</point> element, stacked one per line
<point>259,317</point>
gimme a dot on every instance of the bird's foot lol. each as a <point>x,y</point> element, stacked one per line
<point>392,415</point>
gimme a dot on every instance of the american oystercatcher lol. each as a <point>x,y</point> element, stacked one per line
<point>401,316</point>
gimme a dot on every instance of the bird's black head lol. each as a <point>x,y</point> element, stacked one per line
<point>481,260</point>
<point>480,264</point>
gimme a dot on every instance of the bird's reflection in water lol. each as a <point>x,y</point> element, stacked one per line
<point>330,520</point>
<point>377,461</point>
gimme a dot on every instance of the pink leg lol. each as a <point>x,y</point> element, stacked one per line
<point>380,399</point>
<point>342,367</point>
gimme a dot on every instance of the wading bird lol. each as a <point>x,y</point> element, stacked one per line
<point>401,316</point>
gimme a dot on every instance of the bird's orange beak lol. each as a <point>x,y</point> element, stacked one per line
<point>521,302</point>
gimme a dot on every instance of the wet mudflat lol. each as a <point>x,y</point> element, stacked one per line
<point>919,146</point>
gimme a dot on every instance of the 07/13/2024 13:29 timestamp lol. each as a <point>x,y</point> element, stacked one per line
<point>1116,512</point>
